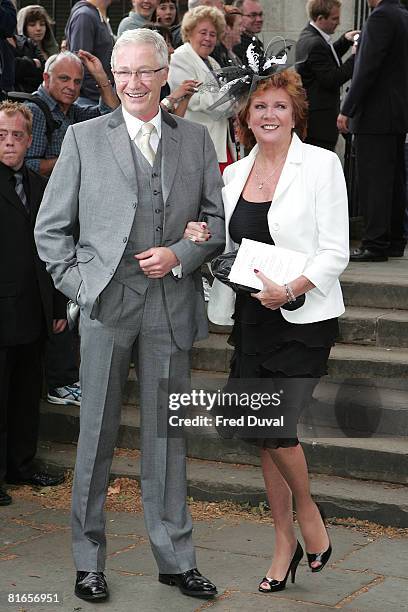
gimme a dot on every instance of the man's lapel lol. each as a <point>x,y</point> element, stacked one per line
<point>9,194</point>
<point>333,51</point>
<point>36,187</point>
<point>119,140</point>
<point>170,152</point>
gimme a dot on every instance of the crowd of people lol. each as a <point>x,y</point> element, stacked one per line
<point>134,159</point>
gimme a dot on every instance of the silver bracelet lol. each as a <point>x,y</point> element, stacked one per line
<point>289,293</point>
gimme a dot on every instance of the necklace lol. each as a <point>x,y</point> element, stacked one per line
<point>261,181</point>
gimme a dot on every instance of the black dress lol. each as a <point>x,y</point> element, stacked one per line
<point>265,344</point>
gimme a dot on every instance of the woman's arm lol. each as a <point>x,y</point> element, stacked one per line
<point>274,296</point>
<point>332,226</point>
<point>181,69</point>
<point>332,254</point>
<point>180,97</point>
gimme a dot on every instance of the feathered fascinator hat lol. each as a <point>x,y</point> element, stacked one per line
<point>235,83</point>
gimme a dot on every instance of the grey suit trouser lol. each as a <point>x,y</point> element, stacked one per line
<point>130,324</point>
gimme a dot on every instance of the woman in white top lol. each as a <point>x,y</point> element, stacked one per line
<point>292,195</point>
<point>201,28</point>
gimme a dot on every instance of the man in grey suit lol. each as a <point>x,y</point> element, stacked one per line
<point>130,182</point>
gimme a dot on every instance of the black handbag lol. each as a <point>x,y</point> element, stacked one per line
<point>221,267</point>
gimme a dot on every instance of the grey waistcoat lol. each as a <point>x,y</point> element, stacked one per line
<point>147,228</point>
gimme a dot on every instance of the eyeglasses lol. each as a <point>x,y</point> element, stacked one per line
<point>254,15</point>
<point>18,136</point>
<point>124,76</point>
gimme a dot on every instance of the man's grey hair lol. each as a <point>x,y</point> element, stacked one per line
<point>53,59</point>
<point>193,3</point>
<point>143,36</point>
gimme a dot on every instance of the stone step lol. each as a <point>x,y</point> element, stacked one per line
<point>327,450</point>
<point>346,360</point>
<point>348,407</point>
<point>354,408</point>
<point>377,285</point>
<point>367,326</point>
<point>374,327</point>
<point>212,481</point>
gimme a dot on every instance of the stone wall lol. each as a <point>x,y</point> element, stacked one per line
<point>288,17</point>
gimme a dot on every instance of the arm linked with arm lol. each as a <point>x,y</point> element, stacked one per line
<point>191,254</point>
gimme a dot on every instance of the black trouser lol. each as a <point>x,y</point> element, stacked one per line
<point>61,359</point>
<point>381,181</point>
<point>20,391</point>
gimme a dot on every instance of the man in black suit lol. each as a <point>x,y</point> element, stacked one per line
<point>322,70</point>
<point>29,305</point>
<point>376,111</point>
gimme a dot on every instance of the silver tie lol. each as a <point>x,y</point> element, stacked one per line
<point>18,176</point>
<point>143,142</point>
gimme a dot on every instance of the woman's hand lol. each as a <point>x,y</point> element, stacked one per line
<point>185,90</point>
<point>272,296</point>
<point>197,231</point>
<point>58,325</point>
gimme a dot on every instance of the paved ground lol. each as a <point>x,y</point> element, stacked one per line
<point>367,572</point>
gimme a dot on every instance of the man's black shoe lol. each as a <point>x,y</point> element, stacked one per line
<point>39,479</point>
<point>5,499</point>
<point>367,255</point>
<point>191,583</point>
<point>91,586</point>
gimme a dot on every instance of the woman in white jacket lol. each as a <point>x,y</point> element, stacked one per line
<point>201,28</point>
<point>292,195</point>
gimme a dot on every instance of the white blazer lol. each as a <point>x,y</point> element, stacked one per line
<point>185,63</point>
<point>309,213</point>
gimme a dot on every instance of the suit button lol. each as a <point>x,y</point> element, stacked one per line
<point>157,211</point>
<point>155,192</point>
<point>158,229</point>
<point>134,204</point>
<point>155,175</point>
<point>276,227</point>
<point>112,272</point>
<point>125,239</point>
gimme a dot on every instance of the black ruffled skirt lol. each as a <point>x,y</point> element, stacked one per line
<point>268,346</point>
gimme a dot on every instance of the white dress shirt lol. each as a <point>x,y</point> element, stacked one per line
<point>329,41</point>
<point>134,125</point>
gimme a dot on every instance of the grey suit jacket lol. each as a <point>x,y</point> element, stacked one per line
<point>92,193</point>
